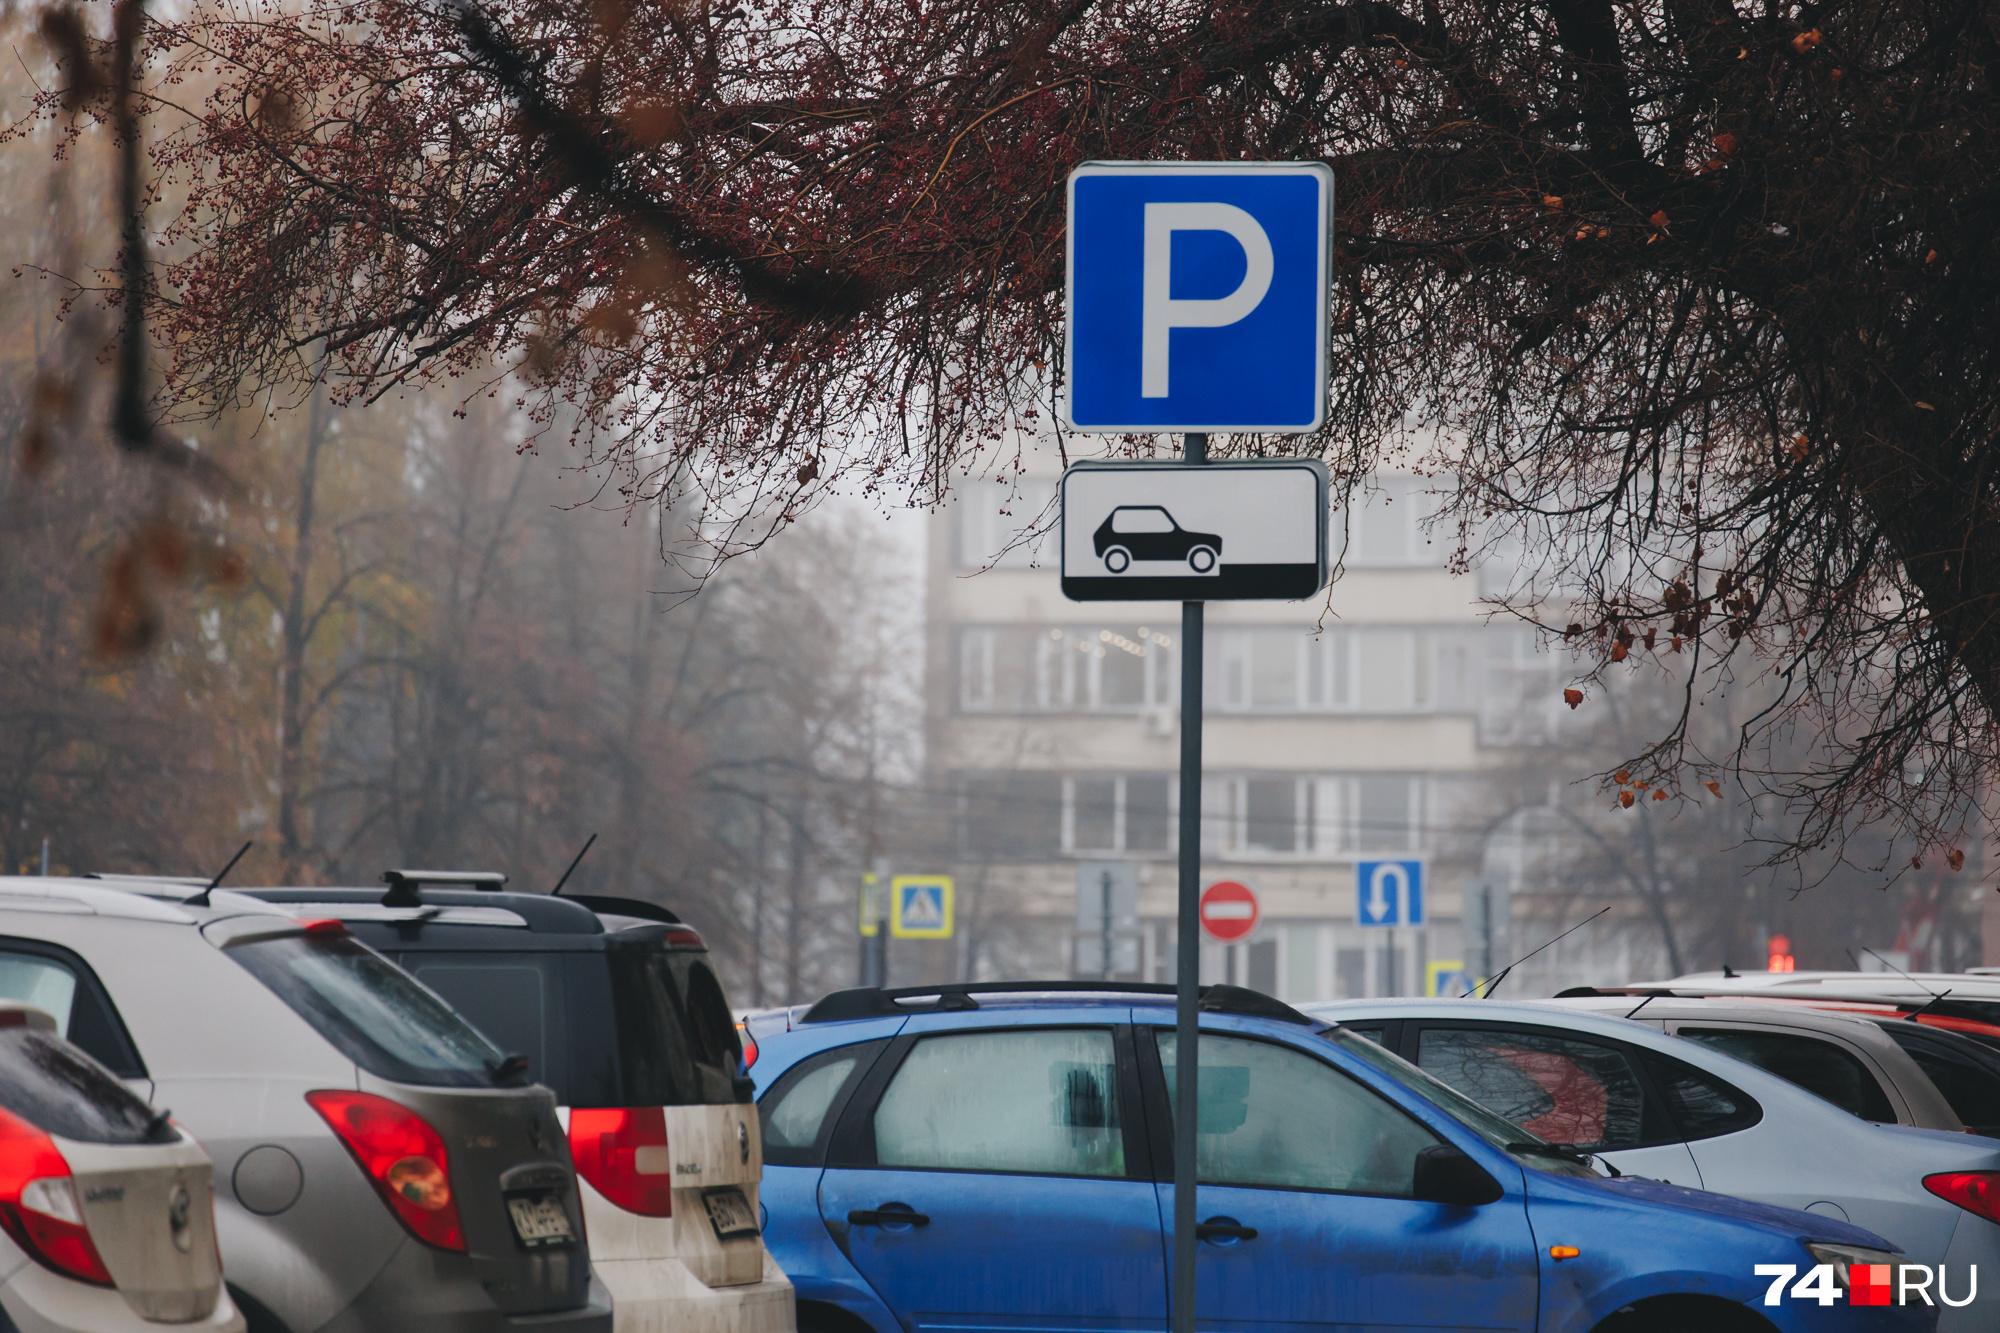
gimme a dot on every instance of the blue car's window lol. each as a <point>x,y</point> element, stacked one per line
<point>798,1111</point>
<point>795,1116</point>
<point>1557,1088</point>
<point>1042,1101</point>
<point>1276,1117</point>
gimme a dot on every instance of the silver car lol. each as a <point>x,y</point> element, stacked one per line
<point>379,1164</point>
<point>1656,1105</point>
<point>106,1219</point>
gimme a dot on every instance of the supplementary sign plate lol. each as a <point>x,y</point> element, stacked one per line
<point>1217,533</point>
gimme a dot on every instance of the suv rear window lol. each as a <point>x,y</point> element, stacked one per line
<point>373,1012</point>
<point>633,1025</point>
<point>59,1090</point>
<point>677,1045</point>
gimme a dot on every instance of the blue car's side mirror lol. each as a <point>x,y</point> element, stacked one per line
<point>1444,1174</point>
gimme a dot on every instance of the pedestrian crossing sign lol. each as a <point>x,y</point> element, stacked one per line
<point>921,907</point>
<point>1447,978</point>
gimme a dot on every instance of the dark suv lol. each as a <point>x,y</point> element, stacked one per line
<point>612,1003</point>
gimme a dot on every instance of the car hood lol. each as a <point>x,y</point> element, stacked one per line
<point>1786,1221</point>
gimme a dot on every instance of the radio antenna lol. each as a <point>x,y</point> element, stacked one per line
<point>1494,984</point>
<point>556,892</point>
<point>201,899</point>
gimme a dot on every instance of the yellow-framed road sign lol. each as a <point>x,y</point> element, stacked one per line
<point>920,907</point>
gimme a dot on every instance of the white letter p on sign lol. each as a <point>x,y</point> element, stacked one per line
<point>1160,312</point>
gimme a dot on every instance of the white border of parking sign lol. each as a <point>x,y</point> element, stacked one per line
<point>1321,295</point>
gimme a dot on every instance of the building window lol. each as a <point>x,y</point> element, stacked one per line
<point>1010,816</point>
<point>1295,817</point>
<point>1006,525</point>
<point>1000,669</point>
<point>1083,669</point>
<point>1124,812</point>
<point>1384,530</point>
<point>1258,669</point>
<point>1293,670</point>
<point>1521,691</point>
<point>1149,813</point>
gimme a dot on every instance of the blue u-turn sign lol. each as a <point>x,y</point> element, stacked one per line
<point>1389,893</point>
<point>1198,296</point>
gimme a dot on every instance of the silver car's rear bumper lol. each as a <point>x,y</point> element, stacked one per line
<point>422,1291</point>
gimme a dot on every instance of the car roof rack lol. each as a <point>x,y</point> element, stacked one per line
<point>403,884</point>
<point>875,1002</point>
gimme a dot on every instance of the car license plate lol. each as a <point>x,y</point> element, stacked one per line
<point>540,1220</point>
<point>729,1213</point>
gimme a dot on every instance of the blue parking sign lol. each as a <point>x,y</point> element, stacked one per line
<point>1198,296</point>
<point>1389,893</point>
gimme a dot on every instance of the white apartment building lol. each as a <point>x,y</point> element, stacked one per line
<point>1365,722</point>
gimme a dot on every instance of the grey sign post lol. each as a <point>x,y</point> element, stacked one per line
<point>1246,357</point>
<point>1107,918</point>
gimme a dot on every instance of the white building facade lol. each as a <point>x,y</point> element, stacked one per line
<point>1362,725</point>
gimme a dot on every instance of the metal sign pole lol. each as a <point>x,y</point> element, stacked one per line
<point>1187,974</point>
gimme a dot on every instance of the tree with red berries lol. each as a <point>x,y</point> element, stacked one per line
<point>1692,301</point>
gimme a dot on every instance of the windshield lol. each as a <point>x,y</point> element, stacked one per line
<point>376,1014</point>
<point>1503,1134</point>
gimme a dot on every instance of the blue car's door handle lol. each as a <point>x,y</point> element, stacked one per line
<point>1218,1229</point>
<point>875,1217</point>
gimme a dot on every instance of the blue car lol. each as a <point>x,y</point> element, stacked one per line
<point>998,1157</point>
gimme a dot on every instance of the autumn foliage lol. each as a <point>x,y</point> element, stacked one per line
<point>1691,301</point>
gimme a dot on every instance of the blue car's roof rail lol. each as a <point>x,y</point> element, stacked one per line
<point>874,1002</point>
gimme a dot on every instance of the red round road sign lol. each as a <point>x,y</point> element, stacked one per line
<point>1228,910</point>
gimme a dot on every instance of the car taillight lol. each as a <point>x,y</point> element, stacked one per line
<point>38,1205</point>
<point>749,1045</point>
<point>403,1156</point>
<point>622,1152</point>
<point>1975,1191</point>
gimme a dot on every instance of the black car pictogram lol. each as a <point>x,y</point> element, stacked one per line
<point>1148,532</point>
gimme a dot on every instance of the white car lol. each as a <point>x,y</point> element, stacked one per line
<point>1655,1105</point>
<point>107,1220</point>
<point>1968,995</point>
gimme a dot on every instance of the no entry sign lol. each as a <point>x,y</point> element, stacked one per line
<point>1228,910</point>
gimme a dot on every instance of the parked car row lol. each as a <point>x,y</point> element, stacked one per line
<point>438,1105</point>
<point>379,1160</point>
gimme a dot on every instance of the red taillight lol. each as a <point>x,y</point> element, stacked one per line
<point>749,1044</point>
<point>622,1152</point>
<point>38,1205</point>
<point>1975,1191</point>
<point>684,935</point>
<point>405,1158</point>
<point>325,925</point>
